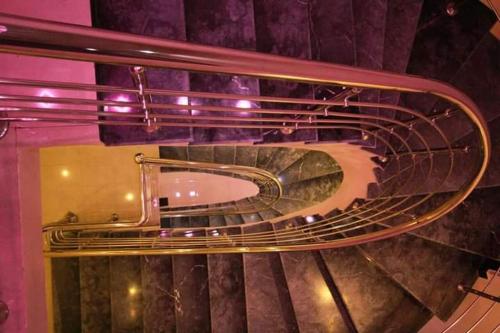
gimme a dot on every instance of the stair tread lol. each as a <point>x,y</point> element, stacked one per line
<point>444,266</point>
<point>95,294</point>
<point>142,19</point>
<point>66,294</point>
<point>375,302</point>
<point>311,165</point>
<point>227,23</point>
<point>269,307</point>
<point>283,28</point>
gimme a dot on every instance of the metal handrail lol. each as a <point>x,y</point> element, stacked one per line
<point>401,138</point>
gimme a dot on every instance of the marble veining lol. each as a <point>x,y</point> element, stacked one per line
<point>66,294</point>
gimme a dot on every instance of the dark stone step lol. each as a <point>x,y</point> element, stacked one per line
<point>225,154</point>
<point>286,205</point>
<point>201,153</point>
<point>375,301</point>
<point>95,294</point>
<point>369,33</point>
<point>313,164</point>
<point>430,271</point>
<point>158,294</point>
<point>233,219</point>
<point>284,157</point>
<point>227,23</point>
<point>227,293</point>
<point>283,28</point>
<point>164,19</point>
<point>126,294</point>
<point>190,278</point>
<point>316,189</point>
<point>269,305</point>
<point>66,295</point>
<point>246,155</point>
<point>472,226</point>
<point>313,304</point>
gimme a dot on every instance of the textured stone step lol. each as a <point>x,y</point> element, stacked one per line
<point>472,226</point>
<point>227,23</point>
<point>430,271</point>
<point>95,294</point>
<point>283,28</point>
<point>201,153</point>
<point>224,154</point>
<point>311,165</point>
<point>246,155</point>
<point>190,279</point>
<point>269,306</point>
<point>227,292</point>
<point>314,306</point>
<point>158,294</point>
<point>375,301</point>
<point>443,43</point>
<point>285,205</point>
<point>164,19</point>
<point>66,294</point>
<point>283,158</point>
<point>369,34</point>
<point>315,189</point>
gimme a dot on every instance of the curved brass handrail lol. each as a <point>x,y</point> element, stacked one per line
<point>398,198</point>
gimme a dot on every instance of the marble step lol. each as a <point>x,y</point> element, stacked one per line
<point>311,165</point>
<point>268,300</point>
<point>401,22</point>
<point>443,43</point>
<point>201,153</point>
<point>428,270</point>
<point>227,292</point>
<point>225,154</point>
<point>264,156</point>
<point>174,153</point>
<point>95,294</point>
<point>227,23</point>
<point>333,40</point>
<point>283,158</point>
<point>478,77</point>
<point>126,292</point>
<point>315,189</point>
<point>191,288</point>
<point>287,205</point>
<point>375,301</point>
<point>471,226</point>
<point>164,19</point>
<point>233,219</point>
<point>159,301</point>
<point>369,34</point>
<point>270,213</point>
<point>249,217</point>
<point>416,177</point>
<point>315,309</point>
<point>66,295</point>
<point>246,155</point>
<point>283,28</point>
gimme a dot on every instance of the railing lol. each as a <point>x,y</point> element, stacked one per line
<point>418,149</point>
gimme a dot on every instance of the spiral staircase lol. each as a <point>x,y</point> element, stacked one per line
<point>387,262</point>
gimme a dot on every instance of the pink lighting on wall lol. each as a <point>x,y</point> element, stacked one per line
<point>243,104</point>
<point>119,109</point>
<point>46,93</point>
<point>3,29</point>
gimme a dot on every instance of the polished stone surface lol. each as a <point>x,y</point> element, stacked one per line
<point>66,295</point>
<point>375,301</point>
<point>315,189</point>
<point>471,226</point>
<point>430,271</point>
<point>283,28</point>
<point>201,153</point>
<point>227,293</point>
<point>264,156</point>
<point>246,156</point>
<point>126,294</point>
<point>313,303</point>
<point>269,306</point>
<point>233,219</point>
<point>95,294</point>
<point>283,158</point>
<point>163,19</point>
<point>158,294</point>
<point>191,293</point>
<point>313,164</point>
<point>443,43</point>
<point>228,23</point>
<point>287,205</point>
<point>224,155</point>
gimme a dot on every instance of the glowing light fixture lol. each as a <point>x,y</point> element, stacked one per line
<point>177,194</point>
<point>132,290</point>
<point>310,219</point>
<point>243,104</point>
<point>188,234</point>
<point>65,173</point>
<point>129,196</point>
<point>3,29</point>
<point>120,109</point>
<point>147,51</point>
<point>192,193</point>
<point>90,49</point>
